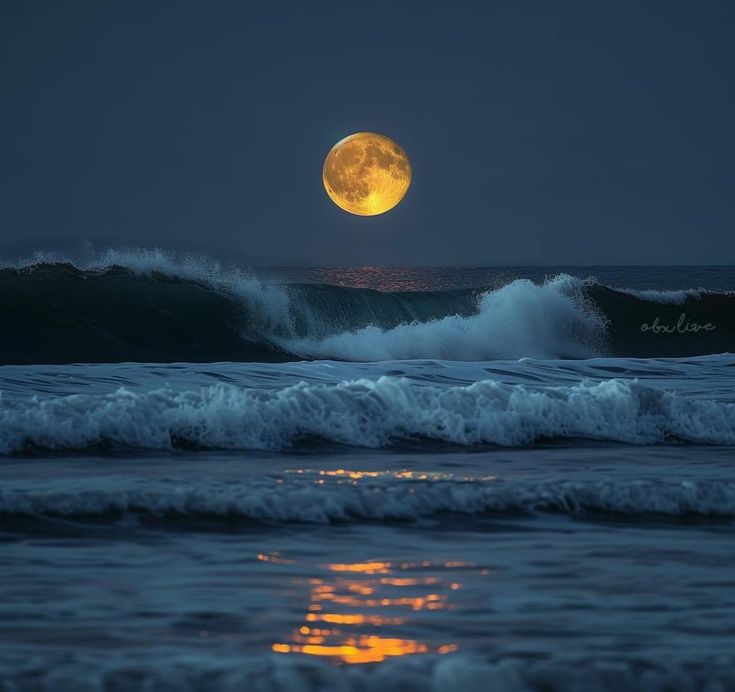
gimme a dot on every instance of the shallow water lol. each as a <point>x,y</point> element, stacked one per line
<point>182,569</point>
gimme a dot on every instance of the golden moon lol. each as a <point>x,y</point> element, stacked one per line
<point>366,174</point>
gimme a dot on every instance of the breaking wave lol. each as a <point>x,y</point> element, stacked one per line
<point>363,413</point>
<point>147,306</point>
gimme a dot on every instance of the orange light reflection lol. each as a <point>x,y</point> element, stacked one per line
<point>364,567</point>
<point>368,585</point>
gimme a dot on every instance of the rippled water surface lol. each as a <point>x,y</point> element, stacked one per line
<point>113,565</point>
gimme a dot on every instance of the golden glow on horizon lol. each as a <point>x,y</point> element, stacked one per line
<point>366,174</point>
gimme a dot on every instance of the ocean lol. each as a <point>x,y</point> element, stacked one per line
<point>509,478</point>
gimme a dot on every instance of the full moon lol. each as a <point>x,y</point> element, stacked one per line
<point>366,174</point>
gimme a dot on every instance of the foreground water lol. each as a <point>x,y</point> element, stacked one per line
<point>584,579</point>
<point>447,557</point>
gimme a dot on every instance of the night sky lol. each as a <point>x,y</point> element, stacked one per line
<point>539,132</point>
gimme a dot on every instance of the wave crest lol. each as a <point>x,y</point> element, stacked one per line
<point>302,500</point>
<point>550,320</point>
<point>363,413</point>
<point>152,307</point>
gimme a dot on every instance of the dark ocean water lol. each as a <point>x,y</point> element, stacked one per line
<point>402,479</point>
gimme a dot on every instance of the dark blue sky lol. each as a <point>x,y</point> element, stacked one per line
<point>539,132</point>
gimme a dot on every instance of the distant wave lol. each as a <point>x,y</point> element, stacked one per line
<point>364,413</point>
<point>148,306</point>
<point>303,500</point>
<point>675,297</point>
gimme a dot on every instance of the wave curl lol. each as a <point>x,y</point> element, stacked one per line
<point>147,306</point>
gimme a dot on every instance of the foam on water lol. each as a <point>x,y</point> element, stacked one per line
<point>402,497</point>
<point>274,673</point>
<point>523,318</point>
<point>674,297</point>
<point>365,413</point>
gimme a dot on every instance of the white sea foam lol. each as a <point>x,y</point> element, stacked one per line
<point>519,319</point>
<point>673,297</point>
<point>366,413</point>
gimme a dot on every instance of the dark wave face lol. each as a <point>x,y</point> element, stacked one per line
<point>58,313</point>
<point>670,324</point>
